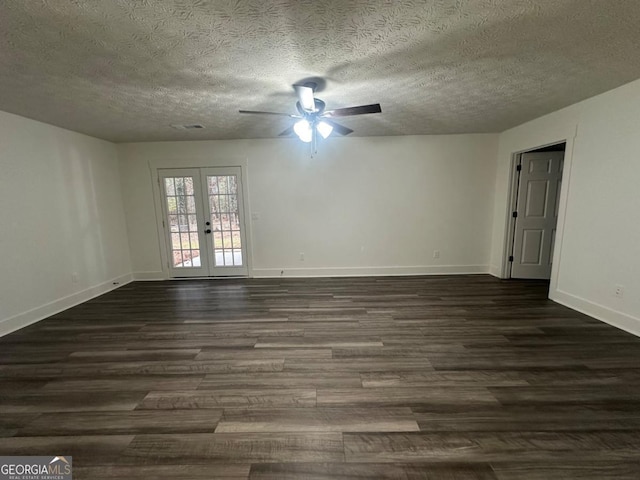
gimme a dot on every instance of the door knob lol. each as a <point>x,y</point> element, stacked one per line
<point>208,230</point>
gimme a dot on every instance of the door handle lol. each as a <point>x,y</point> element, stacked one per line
<point>208,230</point>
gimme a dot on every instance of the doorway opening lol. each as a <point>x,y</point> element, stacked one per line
<point>535,200</point>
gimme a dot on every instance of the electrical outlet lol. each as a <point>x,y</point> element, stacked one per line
<point>75,278</point>
<point>618,291</point>
<point>436,254</point>
<point>302,256</point>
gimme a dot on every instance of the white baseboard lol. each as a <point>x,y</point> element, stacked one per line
<point>149,276</point>
<point>612,317</point>
<point>495,271</point>
<point>370,271</point>
<point>34,315</point>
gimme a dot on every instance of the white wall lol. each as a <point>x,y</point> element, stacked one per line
<point>598,243</point>
<point>377,205</point>
<point>61,213</point>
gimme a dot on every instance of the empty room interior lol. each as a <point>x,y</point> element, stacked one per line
<point>350,239</point>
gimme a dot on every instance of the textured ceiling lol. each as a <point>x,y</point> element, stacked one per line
<point>126,70</point>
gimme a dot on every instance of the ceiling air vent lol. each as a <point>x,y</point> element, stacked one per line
<point>192,126</point>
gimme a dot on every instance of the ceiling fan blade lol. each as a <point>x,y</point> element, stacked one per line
<point>269,113</point>
<point>349,111</point>
<point>339,129</point>
<point>305,97</point>
<point>287,132</point>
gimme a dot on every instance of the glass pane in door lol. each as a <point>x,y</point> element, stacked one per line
<point>183,223</point>
<point>225,220</point>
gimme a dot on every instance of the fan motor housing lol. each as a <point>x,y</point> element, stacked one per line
<point>319,108</point>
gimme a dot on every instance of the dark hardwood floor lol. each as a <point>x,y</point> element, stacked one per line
<point>464,377</point>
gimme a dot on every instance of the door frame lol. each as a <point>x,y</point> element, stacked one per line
<point>197,162</point>
<point>568,138</point>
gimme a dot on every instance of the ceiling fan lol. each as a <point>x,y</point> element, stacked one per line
<point>313,118</point>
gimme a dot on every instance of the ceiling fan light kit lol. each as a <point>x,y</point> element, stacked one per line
<point>313,119</point>
<point>304,130</point>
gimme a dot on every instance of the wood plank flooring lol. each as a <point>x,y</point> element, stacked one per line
<point>464,377</point>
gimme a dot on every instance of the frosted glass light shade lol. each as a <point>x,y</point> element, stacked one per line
<point>303,130</point>
<point>324,128</point>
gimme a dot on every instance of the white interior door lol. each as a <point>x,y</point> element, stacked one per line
<point>204,221</point>
<point>537,214</point>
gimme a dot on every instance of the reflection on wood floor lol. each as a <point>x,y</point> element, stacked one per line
<point>464,377</point>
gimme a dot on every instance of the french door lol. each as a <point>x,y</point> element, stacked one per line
<point>204,221</point>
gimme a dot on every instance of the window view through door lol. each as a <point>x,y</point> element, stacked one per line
<point>225,220</point>
<point>204,223</point>
<point>183,224</point>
